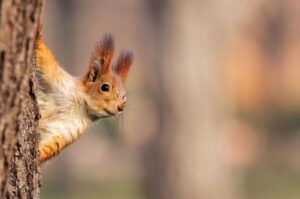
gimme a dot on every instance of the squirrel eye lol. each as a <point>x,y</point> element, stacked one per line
<point>105,87</point>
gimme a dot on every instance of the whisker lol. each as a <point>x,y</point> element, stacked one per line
<point>128,121</point>
<point>114,127</point>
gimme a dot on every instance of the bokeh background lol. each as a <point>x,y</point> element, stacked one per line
<point>213,100</point>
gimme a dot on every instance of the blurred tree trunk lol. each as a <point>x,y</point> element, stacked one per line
<point>19,169</point>
<point>189,159</point>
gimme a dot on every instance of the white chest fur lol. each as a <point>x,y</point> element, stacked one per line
<point>62,113</point>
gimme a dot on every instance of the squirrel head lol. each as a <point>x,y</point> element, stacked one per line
<point>104,86</point>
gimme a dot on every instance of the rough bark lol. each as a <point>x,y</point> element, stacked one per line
<point>19,170</point>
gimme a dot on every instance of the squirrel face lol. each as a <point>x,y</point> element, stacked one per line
<point>104,86</point>
<point>106,96</point>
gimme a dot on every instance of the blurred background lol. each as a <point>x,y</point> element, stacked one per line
<point>213,100</point>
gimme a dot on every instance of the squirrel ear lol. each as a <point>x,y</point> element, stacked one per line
<point>102,55</point>
<point>124,62</point>
<point>92,74</point>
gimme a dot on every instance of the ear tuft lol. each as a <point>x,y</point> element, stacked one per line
<point>123,65</point>
<point>103,53</point>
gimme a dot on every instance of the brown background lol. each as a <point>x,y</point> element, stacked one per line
<point>214,97</point>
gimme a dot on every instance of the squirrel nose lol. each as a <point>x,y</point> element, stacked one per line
<point>121,106</point>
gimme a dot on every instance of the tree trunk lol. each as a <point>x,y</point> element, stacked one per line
<point>189,159</point>
<point>19,169</point>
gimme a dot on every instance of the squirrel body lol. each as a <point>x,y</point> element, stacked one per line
<point>69,105</point>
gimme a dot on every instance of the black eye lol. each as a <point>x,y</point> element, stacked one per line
<point>105,87</point>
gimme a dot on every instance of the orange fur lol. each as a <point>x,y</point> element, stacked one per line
<point>52,148</point>
<point>69,105</point>
<point>103,54</point>
<point>47,63</point>
<point>124,62</point>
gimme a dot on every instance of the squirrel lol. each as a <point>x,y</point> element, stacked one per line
<point>68,105</point>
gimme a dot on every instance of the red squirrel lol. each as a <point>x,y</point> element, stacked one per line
<point>68,105</point>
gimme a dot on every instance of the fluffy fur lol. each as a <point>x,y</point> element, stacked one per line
<point>69,105</point>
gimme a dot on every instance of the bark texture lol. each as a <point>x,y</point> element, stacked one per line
<point>19,170</point>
